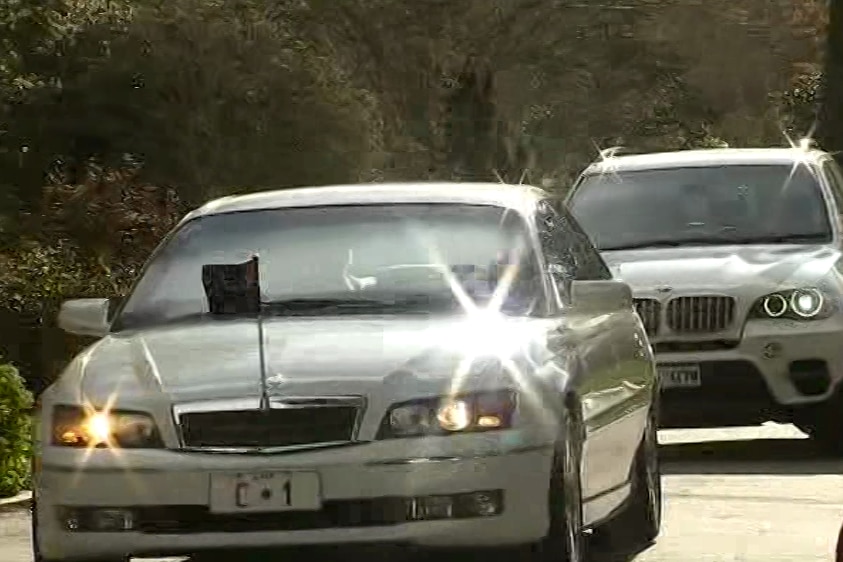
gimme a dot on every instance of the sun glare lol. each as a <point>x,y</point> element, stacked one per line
<point>488,333</point>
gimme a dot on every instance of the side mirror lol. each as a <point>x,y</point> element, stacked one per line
<point>601,296</point>
<point>85,317</point>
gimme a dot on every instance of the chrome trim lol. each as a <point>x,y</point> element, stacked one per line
<point>460,458</point>
<point>650,311</point>
<point>286,450</point>
<point>275,403</point>
<point>700,314</point>
<point>215,406</point>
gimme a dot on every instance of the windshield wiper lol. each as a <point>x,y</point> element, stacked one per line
<point>673,243</point>
<point>642,245</point>
<point>789,238</point>
<point>401,303</point>
<point>315,303</point>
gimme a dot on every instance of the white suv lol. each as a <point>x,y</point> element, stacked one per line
<point>734,256</point>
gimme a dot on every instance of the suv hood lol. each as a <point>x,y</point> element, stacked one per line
<point>720,268</point>
<point>210,359</point>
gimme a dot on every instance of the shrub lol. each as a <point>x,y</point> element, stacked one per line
<point>15,436</point>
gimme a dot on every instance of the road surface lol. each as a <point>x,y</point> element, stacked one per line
<point>745,494</point>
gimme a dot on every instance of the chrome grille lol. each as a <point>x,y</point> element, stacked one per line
<point>700,314</point>
<point>268,428</point>
<point>649,310</point>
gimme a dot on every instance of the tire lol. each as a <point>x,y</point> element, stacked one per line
<point>639,523</point>
<point>565,540</point>
<point>827,437</point>
<point>823,424</point>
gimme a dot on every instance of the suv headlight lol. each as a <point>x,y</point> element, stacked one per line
<point>483,411</point>
<point>77,426</point>
<point>799,304</point>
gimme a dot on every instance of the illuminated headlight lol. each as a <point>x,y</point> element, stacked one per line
<point>75,426</point>
<point>774,305</point>
<point>807,303</point>
<point>452,414</point>
<point>802,304</point>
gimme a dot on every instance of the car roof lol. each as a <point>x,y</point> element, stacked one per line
<point>703,158</point>
<point>516,197</point>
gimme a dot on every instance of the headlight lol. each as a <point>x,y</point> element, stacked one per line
<point>75,426</point>
<point>484,411</point>
<point>800,304</point>
<point>807,303</point>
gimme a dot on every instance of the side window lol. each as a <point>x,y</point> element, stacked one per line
<point>567,248</point>
<point>592,266</point>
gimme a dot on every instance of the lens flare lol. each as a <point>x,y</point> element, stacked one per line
<point>606,156</point>
<point>98,428</point>
<point>488,332</point>
<point>454,415</point>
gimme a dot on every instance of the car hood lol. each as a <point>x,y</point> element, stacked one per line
<point>721,268</point>
<point>391,357</point>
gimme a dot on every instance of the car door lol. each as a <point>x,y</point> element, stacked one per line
<point>612,350</point>
<point>834,180</point>
<point>834,177</point>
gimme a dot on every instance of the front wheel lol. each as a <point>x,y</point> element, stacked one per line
<point>565,540</point>
<point>639,524</point>
<point>827,437</point>
<point>823,424</point>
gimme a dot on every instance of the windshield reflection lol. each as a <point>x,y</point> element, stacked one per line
<point>714,205</point>
<point>345,260</point>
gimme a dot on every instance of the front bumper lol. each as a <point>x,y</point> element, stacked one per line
<point>778,366</point>
<point>364,490</point>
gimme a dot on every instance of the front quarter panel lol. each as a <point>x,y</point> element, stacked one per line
<point>617,387</point>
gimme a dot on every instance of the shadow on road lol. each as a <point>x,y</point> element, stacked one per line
<point>754,456</point>
<point>397,554</point>
<point>624,555</point>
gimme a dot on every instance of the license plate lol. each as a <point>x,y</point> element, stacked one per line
<point>266,491</point>
<point>679,376</point>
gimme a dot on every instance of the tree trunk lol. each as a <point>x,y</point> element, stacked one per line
<point>830,126</point>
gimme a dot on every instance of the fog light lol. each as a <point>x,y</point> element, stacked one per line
<point>483,504</point>
<point>459,506</point>
<point>112,520</point>
<point>772,350</point>
<point>489,421</point>
<point>431,507</point>
<point>71,523</point>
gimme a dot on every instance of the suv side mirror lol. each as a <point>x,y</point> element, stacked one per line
<point>600,295</point>
<point>85,317</point>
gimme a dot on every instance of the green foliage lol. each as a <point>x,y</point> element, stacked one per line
<point>801,102</point>
<point>36,37</point>
<point>93,238</point>
<point>34,31</point>
<point>37,277</point>
<point>15,432</point>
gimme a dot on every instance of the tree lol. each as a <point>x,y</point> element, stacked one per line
<point>35,36</point>
<point>830,133</point>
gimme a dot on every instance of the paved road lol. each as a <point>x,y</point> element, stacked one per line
<point>747,494</point>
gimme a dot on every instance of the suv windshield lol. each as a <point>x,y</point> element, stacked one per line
<point>736,204</point>
<point>344,259</point>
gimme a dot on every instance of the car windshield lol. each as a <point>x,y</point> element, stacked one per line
<point>737,204</point>
<point>346,259</point>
